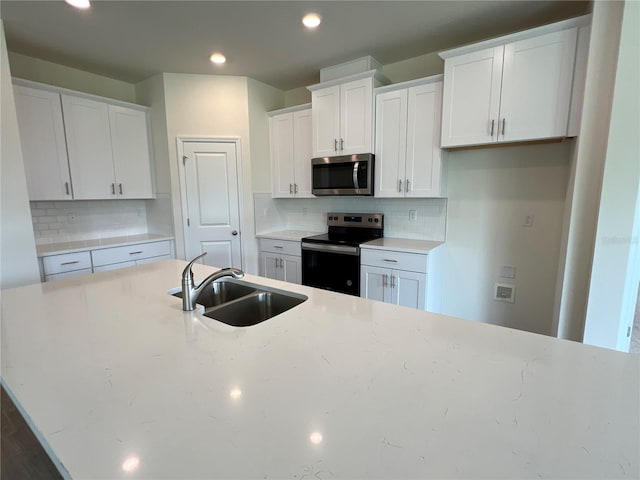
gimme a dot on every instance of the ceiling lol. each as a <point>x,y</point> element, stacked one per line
<point>265,40</point>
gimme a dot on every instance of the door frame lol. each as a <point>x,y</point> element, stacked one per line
<point>180,142</point>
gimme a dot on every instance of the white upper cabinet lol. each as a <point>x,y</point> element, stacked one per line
<point>511,89</point>
<point>89,144</point>
<point>408,156</point>
<point>82,147</point>
<point>131,155</point>
<point>290,142</point>
<point>108,149</point>
<point>43,144</point>
<point>342,115</point>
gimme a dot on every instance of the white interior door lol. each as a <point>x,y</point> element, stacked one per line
<point>212,216</point>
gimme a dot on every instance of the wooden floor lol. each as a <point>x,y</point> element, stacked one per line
<point>21,455</point>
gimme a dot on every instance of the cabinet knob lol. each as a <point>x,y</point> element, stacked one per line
<point>234,233</point>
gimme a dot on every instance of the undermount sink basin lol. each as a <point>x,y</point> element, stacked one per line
<point>221,291</point>
<point>242,304</point>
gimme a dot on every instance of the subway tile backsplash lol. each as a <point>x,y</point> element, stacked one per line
<point>87,219</point>
<point>311,214</point>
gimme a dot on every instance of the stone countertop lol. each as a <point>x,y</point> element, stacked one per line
<point>293,235</point>
<point>118,382</point>
<point>402,245</point>
<point>83,245</point>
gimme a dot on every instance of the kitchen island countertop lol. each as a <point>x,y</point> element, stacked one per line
<point>118,382</point>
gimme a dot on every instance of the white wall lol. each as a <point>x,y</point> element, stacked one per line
<point>583,193</point>
<point>51,73</point>
<point>262,99</point>
<point>159,211</point>
<point>616,261</point>
<point>490,191</point>
<point>18,260</point>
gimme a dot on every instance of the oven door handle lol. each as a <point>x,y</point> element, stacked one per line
<point>331,248</point>
<point>355,175</point>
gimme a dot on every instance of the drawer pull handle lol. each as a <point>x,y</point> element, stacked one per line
<point>390,260</point>
<point>70,263</point>
<point>113,189</point>
<point>120,186</point>
<point>278,246</point>
<point>135,253</point>
<point>66,188</point>
<point>393,281</point>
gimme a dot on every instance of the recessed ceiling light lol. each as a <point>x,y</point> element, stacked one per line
<point>311,20</point>
<point>81,4</point>
<point>217,58</point>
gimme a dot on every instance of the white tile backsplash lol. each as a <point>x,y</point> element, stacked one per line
<point>87,219</point>
<point>311,214</point>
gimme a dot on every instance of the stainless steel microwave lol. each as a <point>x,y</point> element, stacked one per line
<point>342,175</point>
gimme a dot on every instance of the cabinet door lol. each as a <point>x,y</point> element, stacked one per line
<point>291,269</point>
<point>44,148</point>
<point>131,157</point>
<point>302,154</point>
<point>374,283</point>
<point>471,97</point>
<point>423,164</point>
<point>356,105</point>
<point>391,143</point>
<point>282,172</point>
<point>89,143</point>
<point>408,289</point>
<point>536,86</point>
<point>325,113</point>
<point>270,265</point>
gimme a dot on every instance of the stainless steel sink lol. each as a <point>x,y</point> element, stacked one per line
<point>221,291</point>
<point>242,304</point>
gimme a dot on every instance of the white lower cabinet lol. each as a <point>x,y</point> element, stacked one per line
<point>394,277</point>
<point>130,255</point>
<point>281,260</point>
<point>67,265</point>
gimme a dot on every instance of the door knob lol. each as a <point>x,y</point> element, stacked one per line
<point>234,233</point>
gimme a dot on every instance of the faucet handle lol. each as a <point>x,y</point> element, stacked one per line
<point>187,273</point>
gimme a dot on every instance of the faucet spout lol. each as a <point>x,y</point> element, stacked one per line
<point>190,290</point>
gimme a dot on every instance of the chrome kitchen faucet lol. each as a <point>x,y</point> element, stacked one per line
<point>190,292</point>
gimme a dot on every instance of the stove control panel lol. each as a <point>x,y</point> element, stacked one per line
<point>356,220</point>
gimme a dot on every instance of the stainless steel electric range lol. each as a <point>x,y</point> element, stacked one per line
<point>332,260</point>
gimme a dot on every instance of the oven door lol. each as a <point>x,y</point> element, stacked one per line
<point>331,267</point>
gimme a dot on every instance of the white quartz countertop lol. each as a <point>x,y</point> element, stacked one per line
<point>295,235</point>
<point>402,245</point>
<point>119,382</point>
<point>82,245</point>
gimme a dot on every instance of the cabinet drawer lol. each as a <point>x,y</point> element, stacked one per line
<point>60,276</point>
<point>107,256</point>
<point>286,247</point>
<point>67,262</point>
<point>414,262</point>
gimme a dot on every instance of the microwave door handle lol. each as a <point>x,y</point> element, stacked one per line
<point>355,175</point>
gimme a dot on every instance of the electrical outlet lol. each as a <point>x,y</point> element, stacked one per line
<point>528,220</point>
<point>413,215</point>
<point>504,293</point>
